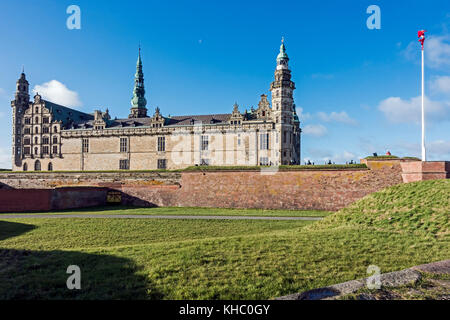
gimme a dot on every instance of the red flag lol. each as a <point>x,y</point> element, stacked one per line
<point>421,36</point>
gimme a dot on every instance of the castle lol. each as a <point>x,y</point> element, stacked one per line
<point>47,136</point>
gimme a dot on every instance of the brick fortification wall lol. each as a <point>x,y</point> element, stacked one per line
<point>312,189</point>
<point>306,189</point>
<point>27,200</point>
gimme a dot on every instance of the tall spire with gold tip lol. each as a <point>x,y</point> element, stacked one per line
<point>138,102</point>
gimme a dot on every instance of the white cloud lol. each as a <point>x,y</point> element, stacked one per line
<point>57,92</point>
<point>398,110</point>
<point>315,130</point>
<point>344,157</point>
<point>301,115</point>
<point>341,117</point>
<point>441,84</point>
<point>5,158</point>
<point>436,150</point>
<point>321,156</point>
<point>437,51</point>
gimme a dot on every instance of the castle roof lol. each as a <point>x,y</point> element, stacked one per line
<point>67,115</point>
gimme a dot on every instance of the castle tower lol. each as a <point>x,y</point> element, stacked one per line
<point>138,102</point>
<point>282,89</point>
<point>19,105</point>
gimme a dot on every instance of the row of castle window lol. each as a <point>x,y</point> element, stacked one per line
<point>124,144</point>
<point>124,164</point>
<point>45,150</point>
<point>36,120</point>
<point>204,143</point>
<point>36,130</point>
<point>37,166</point>
<point>45,140</point>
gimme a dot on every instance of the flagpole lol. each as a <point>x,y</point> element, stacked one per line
<point>424,154</point>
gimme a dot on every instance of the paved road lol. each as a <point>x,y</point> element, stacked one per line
<point>140,216</point>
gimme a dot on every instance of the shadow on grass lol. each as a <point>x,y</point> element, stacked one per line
<point>26,274</point>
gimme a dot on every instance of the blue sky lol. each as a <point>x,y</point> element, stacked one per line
<point>356,91</point>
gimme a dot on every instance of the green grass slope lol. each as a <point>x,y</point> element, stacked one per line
<point>394,229</point>
<point>418,208</point>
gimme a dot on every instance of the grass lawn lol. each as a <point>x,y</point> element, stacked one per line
<point>186,211</point>
<point>394,229</point>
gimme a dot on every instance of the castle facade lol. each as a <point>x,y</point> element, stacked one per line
<point>47,136</point>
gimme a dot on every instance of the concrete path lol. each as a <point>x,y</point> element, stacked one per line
<point>140,216</point>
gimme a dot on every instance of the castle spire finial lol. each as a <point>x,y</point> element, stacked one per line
<point>138,102</point>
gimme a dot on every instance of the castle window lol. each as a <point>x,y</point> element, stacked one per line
<point>35,150</point>
<point>55,129</point>
<point>124,164</point>
<point>55,149</point>
<point>204,143</point>
<point>26,150</point>
<point>37,166</point>
<point>45,130</point>
<point>27,131</point>
<point>162,144</point>
<point>36,110</point>
<point>264,141</point>
<point>45,149</point>
<point>162,163</point>
<point>50,166</point>
<point>85,145</point>
<point>26,141</point>
<point>36,130</point>
<point>27,120</point>
<point>45,120</point>
<point>36,141</point>
<point>263,161</point>
<point>25,167</point>
<point>36,120</point>
<point>55,139</point>
<point>45,140</point>
<point>123,144</point>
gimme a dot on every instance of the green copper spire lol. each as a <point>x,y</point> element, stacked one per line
<point>282,55</point>
<point>138,100</point>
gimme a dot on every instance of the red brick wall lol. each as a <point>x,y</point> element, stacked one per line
<point>322,190</point>
<point>28,200</point>
<point>25,200</point>
<point>307,189</point>
<point>429,170</point>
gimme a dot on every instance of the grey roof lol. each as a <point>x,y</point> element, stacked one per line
<point>196,119</point>
<point>82,120</point>
<point>67,115</point>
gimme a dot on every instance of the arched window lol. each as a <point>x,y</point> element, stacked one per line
<point>35,140</point>
<point>25,167</point>
<point>36,120</point>
<point>50,166</point>
<point>35,150</point>
<point>37,166</point>
<point>55,129</point>
<point>55,140</point>
<point>36,130</point>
